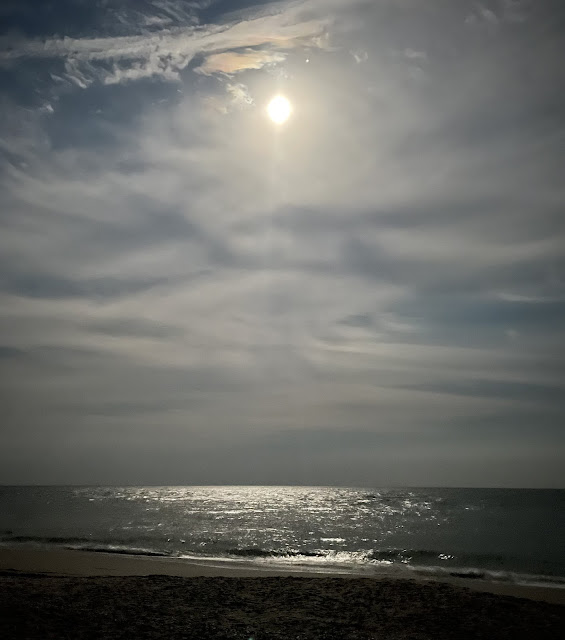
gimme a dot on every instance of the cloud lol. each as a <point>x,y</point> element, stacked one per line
<point>383,274</point>
<point>154,66</point>
<point>240,94</point>
<point>360,56</point>
<point>415,55</point>
<point>124,327</point>
<point>231,62</point>
<point>168,51</point>
<point>10,352</point>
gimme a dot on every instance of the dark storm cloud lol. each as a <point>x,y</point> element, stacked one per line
<point>373,294</point>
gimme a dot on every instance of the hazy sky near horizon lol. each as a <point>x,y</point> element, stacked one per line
<point>372,293</point>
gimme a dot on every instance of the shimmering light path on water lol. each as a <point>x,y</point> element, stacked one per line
<point>463,531</point>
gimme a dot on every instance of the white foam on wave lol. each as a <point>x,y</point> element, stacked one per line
<point>357,563</point>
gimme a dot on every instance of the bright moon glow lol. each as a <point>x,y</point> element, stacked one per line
<point>279,109</point>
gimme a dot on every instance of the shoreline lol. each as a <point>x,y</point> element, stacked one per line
<point>89,564</point>
<point>99,596</point>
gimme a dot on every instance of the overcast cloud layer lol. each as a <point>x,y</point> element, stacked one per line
<point>372,294</point>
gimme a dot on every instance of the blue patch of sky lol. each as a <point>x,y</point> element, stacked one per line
<point>84,118</point>
<point>85,18</point>
<point>215,10</point>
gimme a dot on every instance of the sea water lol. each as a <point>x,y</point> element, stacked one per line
<point>496,534</point>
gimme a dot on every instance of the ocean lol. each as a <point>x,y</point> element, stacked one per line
<point>507,535</point>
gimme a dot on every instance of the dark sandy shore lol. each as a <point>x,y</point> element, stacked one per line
<point>167,606</point>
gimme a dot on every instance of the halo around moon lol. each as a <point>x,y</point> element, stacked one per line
<point>279,109</point>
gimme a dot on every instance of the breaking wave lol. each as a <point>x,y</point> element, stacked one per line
<point>82,544</point>
<point>386,562</point>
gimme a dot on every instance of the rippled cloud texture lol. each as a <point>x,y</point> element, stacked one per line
<point>371,294</point>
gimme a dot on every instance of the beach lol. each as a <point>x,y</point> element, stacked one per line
<point>77,594</point>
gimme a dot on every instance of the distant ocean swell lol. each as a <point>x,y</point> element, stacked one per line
<point>386,561</point>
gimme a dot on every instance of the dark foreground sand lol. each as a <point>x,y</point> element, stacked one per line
<point>166,606</point>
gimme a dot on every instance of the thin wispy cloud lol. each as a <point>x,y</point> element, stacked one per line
<point>235,61</point>
<point>168,51</point>
<point>389,262</point>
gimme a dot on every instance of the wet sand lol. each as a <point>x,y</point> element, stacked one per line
<point>74,594</point>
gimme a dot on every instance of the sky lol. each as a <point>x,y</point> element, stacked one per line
<point>369,294</point>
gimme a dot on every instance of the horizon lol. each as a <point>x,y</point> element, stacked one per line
<point>281,486</point>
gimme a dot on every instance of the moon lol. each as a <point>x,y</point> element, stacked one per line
<point>279,109</point>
